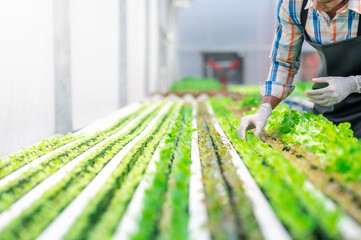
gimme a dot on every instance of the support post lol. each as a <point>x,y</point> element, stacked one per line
<point>147,49</point>
<point>160,47</point>
<point>171,42</point>
<point>123,87</point>
<point>62,67</point>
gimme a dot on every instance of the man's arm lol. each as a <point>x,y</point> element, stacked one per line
<point>285,60</point>
<point>272,100</point>
<point>285,53</point>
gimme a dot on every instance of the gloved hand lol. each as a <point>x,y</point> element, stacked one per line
<point>337,90</point>
<point>257,120</point>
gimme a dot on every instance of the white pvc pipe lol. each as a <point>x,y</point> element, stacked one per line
<point>198,217</point>
<point>270,226</point>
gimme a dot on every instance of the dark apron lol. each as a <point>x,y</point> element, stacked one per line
<point>340,59</point>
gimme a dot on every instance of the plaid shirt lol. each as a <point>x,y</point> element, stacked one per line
<point>287,43</point>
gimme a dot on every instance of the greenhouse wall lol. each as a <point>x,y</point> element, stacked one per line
<point>26,73</point>
<point>97,31</point>
<point>94,59</point>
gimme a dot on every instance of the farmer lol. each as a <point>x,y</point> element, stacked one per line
<point>333,28</point>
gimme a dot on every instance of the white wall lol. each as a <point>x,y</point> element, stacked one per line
<point>26,73</point>
<point>136,40</point>
<point>27,64</point>
<point>95,59</point>
<point>136,49</point>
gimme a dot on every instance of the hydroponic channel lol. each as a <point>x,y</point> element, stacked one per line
<point>175,169</point>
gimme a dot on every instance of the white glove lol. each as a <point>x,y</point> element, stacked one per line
<point>337,90</point>
<point>257,120</point>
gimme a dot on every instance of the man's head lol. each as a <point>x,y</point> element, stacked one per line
<point>328,5</point>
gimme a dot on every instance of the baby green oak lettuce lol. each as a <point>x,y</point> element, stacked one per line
<point>35,219</point>
<point>173,223</point>
<point>156,194</point>
<point>229,210</point>
<point>101,217</point>
<point>247,226</point>
<point>335,144</point>
<point>13,162</point>
<point>29,179</point>
<point>338,149</point>
<point>283,184</point>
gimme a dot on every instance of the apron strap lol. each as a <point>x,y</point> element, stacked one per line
<point>304,15</point>
<point>359,26</point>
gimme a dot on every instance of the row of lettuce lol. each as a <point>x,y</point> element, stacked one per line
<point>229,210</point>
<point>301,151</point>
<point>282,183</point>
<point>33,220</point>
<point>164,215</point>
<point>165,204</point>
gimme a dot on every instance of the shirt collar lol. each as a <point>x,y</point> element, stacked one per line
<point>354,5</point>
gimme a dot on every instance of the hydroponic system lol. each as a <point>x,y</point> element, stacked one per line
<point>174,167</point>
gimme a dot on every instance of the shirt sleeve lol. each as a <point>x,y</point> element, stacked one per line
<point>285,53</point>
